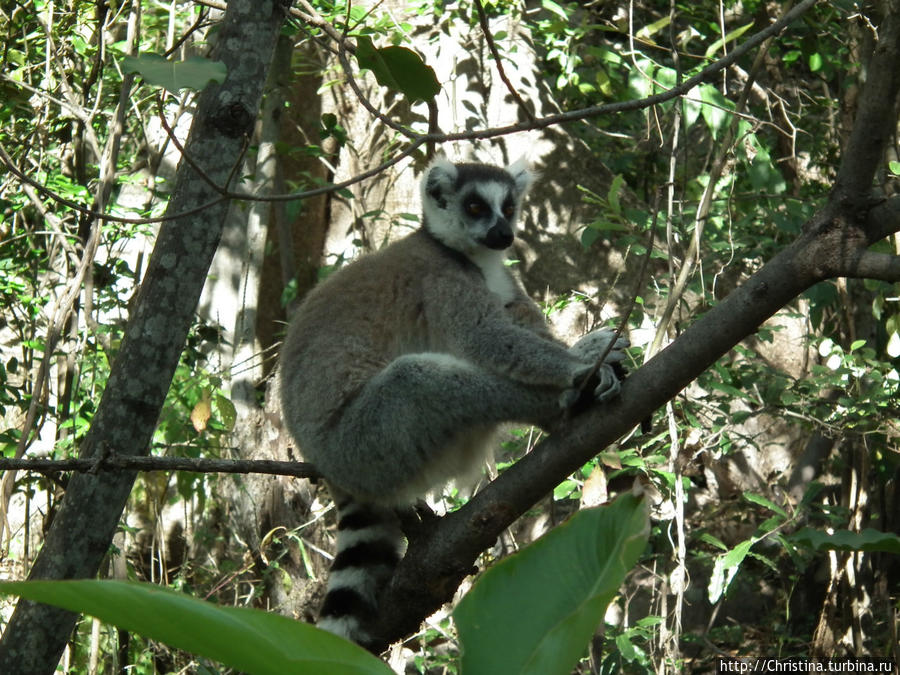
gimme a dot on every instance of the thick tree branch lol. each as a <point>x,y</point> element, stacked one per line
<point>883,220</point>
<point>871,265</point>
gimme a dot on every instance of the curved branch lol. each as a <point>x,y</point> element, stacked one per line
<point>223,190</point>
<point>417,140</point>
<point>833,242</point>
<point>438,559</point>
<point>10,166</point>
<point>883,220</point>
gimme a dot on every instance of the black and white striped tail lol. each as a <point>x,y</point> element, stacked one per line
<point>369,546</point>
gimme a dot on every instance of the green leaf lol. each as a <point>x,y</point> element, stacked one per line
<point>725,568</point>
<point>791,56</point>
<point>626,647</point>
<point>714,541</point>
<point>868,540</point>
<point>194,73</point>
<point>740,416</point>
<point>551,6</point>
<point>588,236</point>
<point>244,639</point>
<point>564,489</point>
<point>766,503</point>
<point>894,167</point>
<point>714,108</point>
<point>551,595</point>
<point>398,68</point>
<point>728,389</point>
<point>733,35</point>
<point>607,226</point>
<point>856,345</point>
<point>613,194</point>
<point>652,29</point>
<point>815,62</point>
<point>227,411</point>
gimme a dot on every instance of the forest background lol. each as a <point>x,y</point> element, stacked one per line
<point>723,175</point>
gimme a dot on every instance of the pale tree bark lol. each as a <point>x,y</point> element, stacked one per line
<point>261,505</point>
<point>82,531</point>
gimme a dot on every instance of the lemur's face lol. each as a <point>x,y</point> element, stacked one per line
<point>487,213</point>
<point>471,206</point>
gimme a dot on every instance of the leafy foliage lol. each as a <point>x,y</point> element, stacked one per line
<point>250,640</point>
<point>194,73</point>
<point>844,540</point>
<point>398,68</point>
<point>552,595</point>
<point>577,568</point>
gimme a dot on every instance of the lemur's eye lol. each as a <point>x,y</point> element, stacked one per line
<point>474,208</point>
<point>509,210</point>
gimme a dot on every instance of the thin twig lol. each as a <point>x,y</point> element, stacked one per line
<point>691,259</point>
<point>495,54</point>
<point>190,160</point>
<point>639,283</point>
<point>10,165</point>
<point>115,462</point>
<point>366,103</point>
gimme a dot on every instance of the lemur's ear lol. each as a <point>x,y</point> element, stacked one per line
<point>438,180</point>
<point>522,174</point>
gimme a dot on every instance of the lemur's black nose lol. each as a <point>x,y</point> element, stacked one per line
<point>499,237</point>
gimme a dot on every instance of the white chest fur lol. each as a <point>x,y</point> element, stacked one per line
<point>496,276</point>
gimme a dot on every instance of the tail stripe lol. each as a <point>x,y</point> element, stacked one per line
<point>342,602</point>
<point>376,553</point>
<point>360,519</point>
<point>369,546</point>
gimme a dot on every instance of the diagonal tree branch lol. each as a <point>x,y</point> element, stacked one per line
<point>871,265</point>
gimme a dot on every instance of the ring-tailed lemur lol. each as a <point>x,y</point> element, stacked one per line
<point>397,369</point>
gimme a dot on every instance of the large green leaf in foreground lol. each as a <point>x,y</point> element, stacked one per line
<point>246,639</point>
<point>535,612</point>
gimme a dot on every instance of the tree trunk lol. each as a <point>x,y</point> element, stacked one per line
<point>81,533</point>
